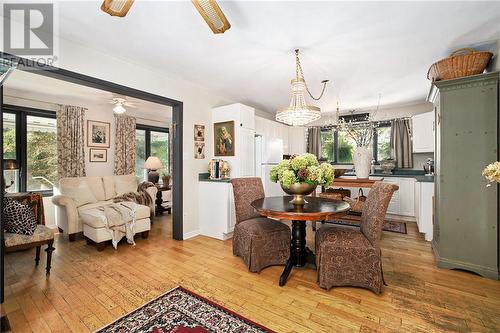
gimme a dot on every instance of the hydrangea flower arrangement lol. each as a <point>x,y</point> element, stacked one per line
<point>302,169</point>
<point>492,172</point>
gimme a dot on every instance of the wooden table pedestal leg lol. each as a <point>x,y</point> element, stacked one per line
<point>300,255</point>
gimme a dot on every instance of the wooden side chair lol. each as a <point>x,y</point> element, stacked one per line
<point>352,257</point>
<point>42,236</point>
<point>259,241</point>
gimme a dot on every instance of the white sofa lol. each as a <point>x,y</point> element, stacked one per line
<point>75,195</point>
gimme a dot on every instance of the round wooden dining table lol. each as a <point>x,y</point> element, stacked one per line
<point>316,209</point>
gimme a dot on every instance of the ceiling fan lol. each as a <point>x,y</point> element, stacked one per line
<point>120,103</point>
<point>208,9</point>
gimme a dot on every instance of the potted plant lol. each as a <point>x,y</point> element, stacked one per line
<point>165,178</point>
<point>300,175</point>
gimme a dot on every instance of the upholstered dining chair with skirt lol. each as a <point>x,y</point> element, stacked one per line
<point>259,241</point>
<point>352,257</point>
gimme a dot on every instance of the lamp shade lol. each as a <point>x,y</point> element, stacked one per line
<point>153,163</point>
<point>10,164</point>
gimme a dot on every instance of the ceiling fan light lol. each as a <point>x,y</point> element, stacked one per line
<point>116,7</point>
<point>212,14</point>
<point>119,109</point>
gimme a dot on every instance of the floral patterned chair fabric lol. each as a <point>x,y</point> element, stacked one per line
<point>259,241</point>
<point>351,257</point>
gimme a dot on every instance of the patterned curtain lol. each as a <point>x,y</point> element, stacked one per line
<point>314,141</point>
<point>70,141</point>
<point>125,145</point>
<point>401,144</point>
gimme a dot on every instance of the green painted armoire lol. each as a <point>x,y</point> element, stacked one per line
<point>466,210</point>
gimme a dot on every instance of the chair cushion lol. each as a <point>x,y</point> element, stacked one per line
<point>342,237</point>
<point>98,222</point>
<point>19,218</point>
<point>261,225</point>
<point>125,184</point>
<point>41,233</point>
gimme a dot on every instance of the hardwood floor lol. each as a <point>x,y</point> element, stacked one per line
<point>88,289</point>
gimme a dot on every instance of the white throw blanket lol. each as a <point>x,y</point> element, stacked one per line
<point>119,220</point>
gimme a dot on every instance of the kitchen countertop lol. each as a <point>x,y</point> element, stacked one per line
<point>204,177</point>
<point>419,175</point>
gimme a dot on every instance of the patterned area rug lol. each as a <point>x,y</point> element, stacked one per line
<point>182,311</point>
<point>389,225</point>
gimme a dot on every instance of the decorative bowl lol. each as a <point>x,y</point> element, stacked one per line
<point>299,190</point>
<point>387,166</point>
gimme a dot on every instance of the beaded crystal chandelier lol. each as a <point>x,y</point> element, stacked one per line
<point>298,113</point>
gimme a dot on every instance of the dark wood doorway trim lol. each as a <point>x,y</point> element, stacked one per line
<point>88,81</point>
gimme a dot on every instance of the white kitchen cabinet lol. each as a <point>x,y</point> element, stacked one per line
<point>403,200</point>
<point>424,194</point>
<point>407,196</point>
<point>216,212</point>
<point>394,205</point>
<point>243,115</point>
<point>270,129</point>
<point>242,164</point>
<point>423,132</point>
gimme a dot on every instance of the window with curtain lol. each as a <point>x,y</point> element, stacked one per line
<point>140,140</point>
<point>41,153</point>
<point>30,137</point>
<point>338,148</point>
<point>151,141</point>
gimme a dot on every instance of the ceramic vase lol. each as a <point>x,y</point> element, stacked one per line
<point>362,159</point>
<point>299,191</point>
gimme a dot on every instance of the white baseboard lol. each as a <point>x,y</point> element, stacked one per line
<point>191,234</point>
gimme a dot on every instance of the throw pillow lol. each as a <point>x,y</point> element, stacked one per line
<point>81,193</point>
<point>19,218</point>
<point>125,184</point>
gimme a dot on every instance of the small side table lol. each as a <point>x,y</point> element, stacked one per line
<point>159,200</point>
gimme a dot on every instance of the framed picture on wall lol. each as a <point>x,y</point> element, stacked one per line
<point>199,150</point>
<point>98,155</point>
<point>98,134</point>
<point>199,132</point>
<point>224,138</point>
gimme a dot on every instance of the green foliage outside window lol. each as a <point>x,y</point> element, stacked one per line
<point>41,150</point>
<point>345,149</point>
<point>9,143</point>
<point>345,146</point>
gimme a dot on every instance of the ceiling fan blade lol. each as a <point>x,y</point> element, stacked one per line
<point>213,15</point>
<point>116,7</point>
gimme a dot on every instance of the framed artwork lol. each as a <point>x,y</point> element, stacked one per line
<point>98,155</point>
<point>224,138</point>
<point>98,134</point>
<point>199,132</point>
<point>199,150</point>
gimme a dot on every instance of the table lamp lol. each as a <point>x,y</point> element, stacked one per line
<point>153,163</point>
<point>8,164</point>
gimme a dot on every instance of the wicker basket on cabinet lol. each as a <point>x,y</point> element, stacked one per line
<point>462,62</point>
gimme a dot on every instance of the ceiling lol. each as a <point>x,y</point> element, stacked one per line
<point>38,88</point>
<point>363,48</point>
